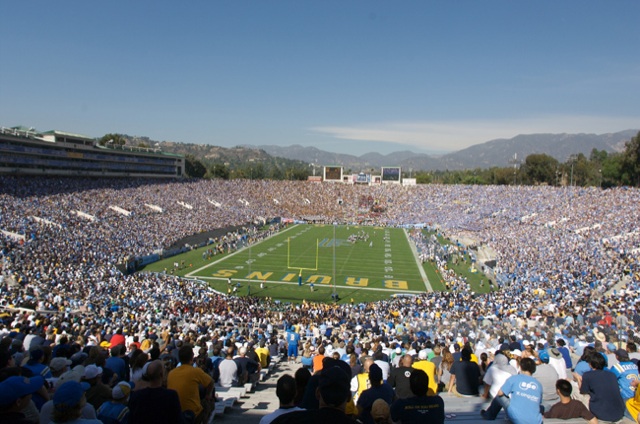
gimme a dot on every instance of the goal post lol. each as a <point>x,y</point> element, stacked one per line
<point>289,266</point>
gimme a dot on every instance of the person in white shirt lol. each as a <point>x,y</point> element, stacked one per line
<point>496,375</point>
<point>286,392</point>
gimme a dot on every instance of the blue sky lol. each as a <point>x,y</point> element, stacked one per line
<point>347,76</point>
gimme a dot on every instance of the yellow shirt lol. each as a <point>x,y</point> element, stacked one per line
<point>429,368</point>
<point>186,380</point>
<point>633,405</point>
<point>263,354</point>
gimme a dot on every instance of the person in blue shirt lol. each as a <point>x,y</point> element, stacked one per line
<point>116,410</point>
<point>626,372</point>
<point>605,401</point>
<point>521,395</point>
<point>293,338</point>
<point>35,363</point>
<point>116,362</point>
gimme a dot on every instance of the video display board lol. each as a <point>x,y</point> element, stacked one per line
<point>363,178</point>
<point>391,174</point>
<point>333,173</point>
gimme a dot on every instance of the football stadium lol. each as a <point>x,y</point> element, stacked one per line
<point>273,276</point>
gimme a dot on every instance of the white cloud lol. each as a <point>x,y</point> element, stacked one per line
<point>456,135</point>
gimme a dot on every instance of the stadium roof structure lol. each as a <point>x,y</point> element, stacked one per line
<point>67,134</point>
<point>148,150</point>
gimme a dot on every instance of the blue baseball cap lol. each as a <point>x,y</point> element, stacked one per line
<point>69,394</point>
<point>15,387</point>
<point>544,356</point>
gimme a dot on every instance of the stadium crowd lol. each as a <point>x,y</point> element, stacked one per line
<point>567,268</point>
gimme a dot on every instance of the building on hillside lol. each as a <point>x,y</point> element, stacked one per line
<point>25,151</point>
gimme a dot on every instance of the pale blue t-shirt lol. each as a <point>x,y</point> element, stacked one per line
<point>525,393</point>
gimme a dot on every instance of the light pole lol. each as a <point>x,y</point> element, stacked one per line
<point>572,158</point>
<point>600,174</point>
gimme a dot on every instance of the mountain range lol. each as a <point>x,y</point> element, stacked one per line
<point>494,153</point>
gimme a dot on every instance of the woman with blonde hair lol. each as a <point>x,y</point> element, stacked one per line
<point>306,359</point>
<point>444,376</point>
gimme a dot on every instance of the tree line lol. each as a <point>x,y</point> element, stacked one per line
<point>599,169</point>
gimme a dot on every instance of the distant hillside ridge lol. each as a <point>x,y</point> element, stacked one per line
<point>493,153</point>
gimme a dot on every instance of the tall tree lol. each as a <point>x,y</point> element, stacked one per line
<point>193,167</point>
<point>540,169</point>
<point>218,170</point>
<point>112,139</point>
<point>631,161</point>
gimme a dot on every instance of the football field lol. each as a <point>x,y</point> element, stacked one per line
<point>311,262</point>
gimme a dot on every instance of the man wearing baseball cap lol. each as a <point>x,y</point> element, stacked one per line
<point>98,392</point>
<point>116,410</point>
<point>15,395</point>
<point>68,402</point>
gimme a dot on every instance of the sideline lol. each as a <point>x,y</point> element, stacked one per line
<point>425,279</point>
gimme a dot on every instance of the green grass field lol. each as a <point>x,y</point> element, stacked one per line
<point>366,270</point>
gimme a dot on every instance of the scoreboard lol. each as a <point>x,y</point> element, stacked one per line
<point>333,173</point>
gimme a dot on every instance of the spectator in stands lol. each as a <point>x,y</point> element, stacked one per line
<point>248,369</point>
<point>302,377</point>
<point>520,396</point>
<point>317,359</point>
<point>566,354</point>
<point>35,363</point>
<point>428,367</point>
<point>633,405</point>
<point>15,397</point>
<point>228,370</point>
<point>360,382</point>
<point>465,375</point>
<point>569,408</point>
<point>116,410</point>
<point>496,375</point>
<point>605,401</point>
<point>188,381</point>
<point>627,374</point>
<point>399,377</point>
<point>421,407</point>
<point>263,354</point>
<point>286,392</point>
<point>547,376</point>
<point>333,394</point>
<point>97,392</point>
<point>378,390</point>
<point>150,402</point>
<point>68,402</point>
<point>116,362</point>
